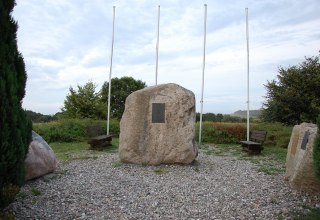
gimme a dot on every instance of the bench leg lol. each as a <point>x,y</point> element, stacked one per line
<point>244,147</point>
<point>99,145</point>
<point>253,150</point>
<point>256,151</point>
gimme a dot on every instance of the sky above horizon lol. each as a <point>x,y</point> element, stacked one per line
<point>68,42</point>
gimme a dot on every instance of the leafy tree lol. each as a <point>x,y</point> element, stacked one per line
<point>206,117</point>
<point>209,117</point>
<point>83,103</point>
<point>294,96</point>
<point>219,117</point>
<point>121,88</point>
<point>15,128</point>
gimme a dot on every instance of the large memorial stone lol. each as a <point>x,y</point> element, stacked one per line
<point>299,163</point>
<point>158,126</point>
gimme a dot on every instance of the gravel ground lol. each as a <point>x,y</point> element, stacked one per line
<point>212,188</point>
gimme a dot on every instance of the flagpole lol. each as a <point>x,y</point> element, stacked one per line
<point>157,46</point>
<point>110,73</point>
<point>248,97</point>
<point>203,68</point>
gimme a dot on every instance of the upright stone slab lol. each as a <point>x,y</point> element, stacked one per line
<point>299,163</point>
<point>158,126</point>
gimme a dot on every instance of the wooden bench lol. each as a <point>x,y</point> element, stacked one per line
<point>254,145</point>
<point>97,137</point>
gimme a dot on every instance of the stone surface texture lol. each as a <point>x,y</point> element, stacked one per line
<point>40,159</point>
<point>144,142</point>
<point>299,162</point>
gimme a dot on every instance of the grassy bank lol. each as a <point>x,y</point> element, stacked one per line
<point>231,133</point>
<point>69,136</point>
<point>72,130</point>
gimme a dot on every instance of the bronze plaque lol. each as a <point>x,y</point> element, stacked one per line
<point>305,140</point>
<point>158,113</point>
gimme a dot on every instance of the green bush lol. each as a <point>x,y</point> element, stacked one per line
<point>231,133</point>
<point>71,130</point>
<point>316,151</point>
<point>221,133</point>
<point>278,134</point>
<point>6,216</point>
<point>7,194</point>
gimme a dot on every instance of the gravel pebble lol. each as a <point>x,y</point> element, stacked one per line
<point>214,187</point>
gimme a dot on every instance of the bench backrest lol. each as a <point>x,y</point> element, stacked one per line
<point>258,136</point>
<point>95,130</point>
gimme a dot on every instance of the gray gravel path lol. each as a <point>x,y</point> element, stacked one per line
<point>212,188</point>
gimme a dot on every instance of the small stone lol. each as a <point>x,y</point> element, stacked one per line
<point>299,162</point>
<point>40,159</point>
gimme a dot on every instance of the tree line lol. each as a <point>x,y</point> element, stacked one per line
<point>38,117</point>
<point>86,102</point>
<point>211,117</point>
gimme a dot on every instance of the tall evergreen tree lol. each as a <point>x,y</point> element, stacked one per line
<point>15,128</point>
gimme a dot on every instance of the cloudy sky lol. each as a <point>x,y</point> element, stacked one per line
<point>67,43</point>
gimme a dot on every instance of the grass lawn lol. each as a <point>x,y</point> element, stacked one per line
<point>270,161</point>
<point>313,214</point>
<point>80,150</point>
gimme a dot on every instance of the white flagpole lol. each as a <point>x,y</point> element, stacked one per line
<point>157,46</point>
<point>203,68</point>
<point>248,106</point>
<point>110,73</point>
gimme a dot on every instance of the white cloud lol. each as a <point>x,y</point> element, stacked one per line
<point>66,43</point>
<point>45,62</point>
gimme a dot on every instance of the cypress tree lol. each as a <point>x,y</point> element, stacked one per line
<point>15,127</point>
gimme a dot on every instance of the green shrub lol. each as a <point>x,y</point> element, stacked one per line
<point>221,133</point>
<point>72,130</point>
<point>61,131</point>
<point>278,134</point>
<point>7,194</point>
<point>316,151</point>
<point>35,191</point>
<point>231,133</point>
<point>6,216</point>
